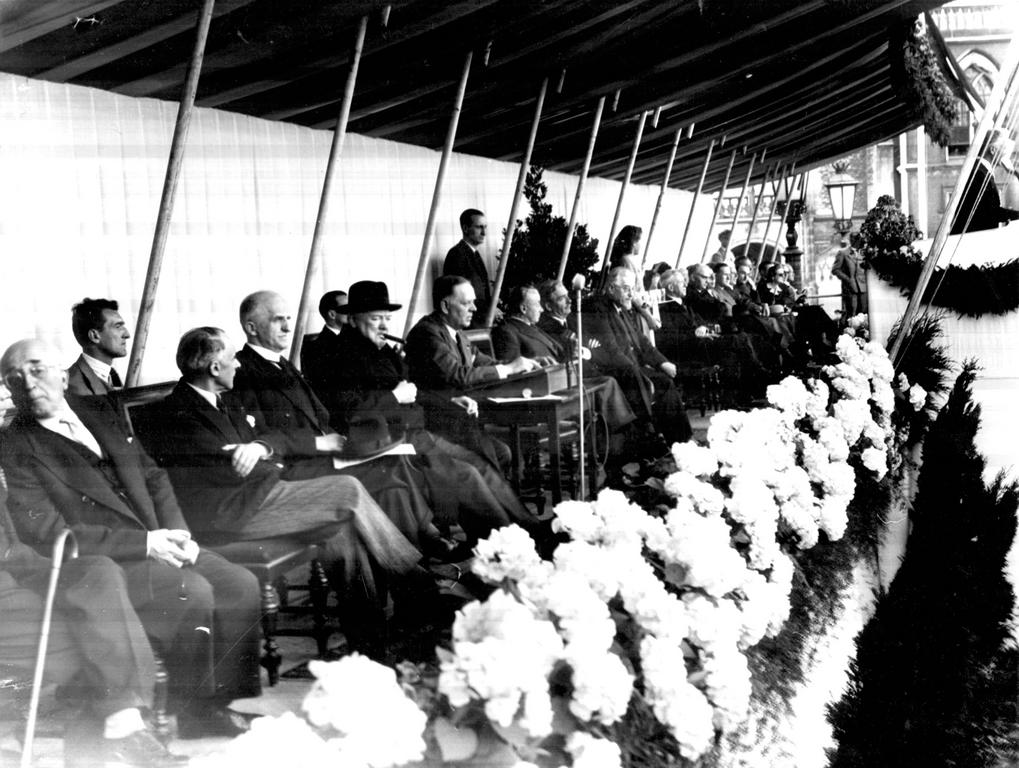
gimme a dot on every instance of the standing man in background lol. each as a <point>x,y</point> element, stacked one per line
<point>464,260</point>
<point>102,334</point>
<point>848,268</point>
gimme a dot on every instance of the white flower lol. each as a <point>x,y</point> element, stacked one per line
<point>380,726</point>
<point>677,704</point>
<point>706,498</point>
<point>876,460</point>
<point>602,686</point>
<point>251,420</point>
<point>273,741</point>
<point>501,655</point>
<point>507,553</point>
<point>591,752</point>
<point>917,397</point>
<point>695,459</point>
<point>789,396</point>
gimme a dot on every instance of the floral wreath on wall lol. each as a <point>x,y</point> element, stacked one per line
<point>886,242</point>
<point>630,646</point>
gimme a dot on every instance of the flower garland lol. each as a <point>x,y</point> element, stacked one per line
<point>973,291</point>
<point>631,598</point>
<point>886,241</point>
<point>923,85</point>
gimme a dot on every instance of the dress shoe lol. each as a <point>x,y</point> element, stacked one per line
<point>141,748</point>
<point>211,721</point>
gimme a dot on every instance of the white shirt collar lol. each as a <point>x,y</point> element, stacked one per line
<point>99,368</point>
<point>268,354</point>
<point>451,329</point>
<point>63,414</point>
<point>337,331</point>
<point>207,396</point>
<point>471,247</point>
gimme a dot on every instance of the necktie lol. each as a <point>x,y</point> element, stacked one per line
<point>115,381</point>
<point>81,436</point>
<point>219,404</point>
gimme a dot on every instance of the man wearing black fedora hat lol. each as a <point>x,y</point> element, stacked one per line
<point>373,381</point>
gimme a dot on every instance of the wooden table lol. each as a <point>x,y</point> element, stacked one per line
<point>535,412</point>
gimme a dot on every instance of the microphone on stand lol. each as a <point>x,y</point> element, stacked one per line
<point>578,286</point>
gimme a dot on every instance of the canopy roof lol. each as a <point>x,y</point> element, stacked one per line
<point>805,80</point>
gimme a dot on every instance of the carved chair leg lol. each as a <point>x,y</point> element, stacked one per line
<point>160,691</point>
<point>271,658</point>
<point>318,587</point>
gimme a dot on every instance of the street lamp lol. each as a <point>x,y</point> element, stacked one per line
<point>841,194</point>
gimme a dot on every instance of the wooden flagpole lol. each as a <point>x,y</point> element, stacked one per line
<point>718,205</point>
<point>757,208</point>
<point>693,203</point>
<point>447,150</point>
<point>622,193</point>
<point>661,197</point>
<point>580,190</point>
<point>511,227</point>
<point>173,166</point>
<point>335,151</point>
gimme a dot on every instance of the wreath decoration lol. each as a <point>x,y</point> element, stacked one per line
<point>921,82</point>
<point>973,291</point>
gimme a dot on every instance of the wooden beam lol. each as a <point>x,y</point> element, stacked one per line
<point>693,203</point>
<point>447,150</point>
<point>743,192</point>
<point>661,198</point>
<point>757,207</point>
<point>777,58</point>
<point>511,226</point>
<point>335,151</point>
<point>622,194</point>
<point>686,93</point>
<point>163,217</point>
<point>580,190</point>
<point>43,18</point>
<point>718,205</point>
<point>77,67</point>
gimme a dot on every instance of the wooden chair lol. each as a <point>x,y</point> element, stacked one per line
<point>481,340</point>
<point>270,560</point>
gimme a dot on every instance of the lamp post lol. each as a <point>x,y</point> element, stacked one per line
<point>842,194</point>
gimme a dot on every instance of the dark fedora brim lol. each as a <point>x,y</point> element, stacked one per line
<point>358,450</point>
<point>355,309</point>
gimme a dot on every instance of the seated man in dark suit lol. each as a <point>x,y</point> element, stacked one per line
<point>521,334</point>
<point>97,647</point>
<point>227,470</point>
<point>275,393</point>
<point>318,355</point>
<point>555,314</point>
<point>464,260</point>
<point>102,334</point>
<point>462,487</point>
<point>700,297</point>
<point>644,373</point>
<point>688,339</point>
<point>73,467</point>
<point>445,368</point>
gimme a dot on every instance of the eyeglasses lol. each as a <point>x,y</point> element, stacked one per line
<point>35,370</point>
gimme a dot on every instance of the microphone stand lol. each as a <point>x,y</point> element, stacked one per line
<point>580,387</point>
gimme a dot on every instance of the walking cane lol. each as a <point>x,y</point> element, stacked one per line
<point>578,286</point>
<point>47,618</point>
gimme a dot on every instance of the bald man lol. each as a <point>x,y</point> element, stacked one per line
<point>70,465</point>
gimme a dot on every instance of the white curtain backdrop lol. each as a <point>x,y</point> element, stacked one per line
<point>81,172</point>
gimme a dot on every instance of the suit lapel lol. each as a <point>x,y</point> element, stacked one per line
<point>287,385</point>
<point>216,420</point>
<point>70,467</point>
